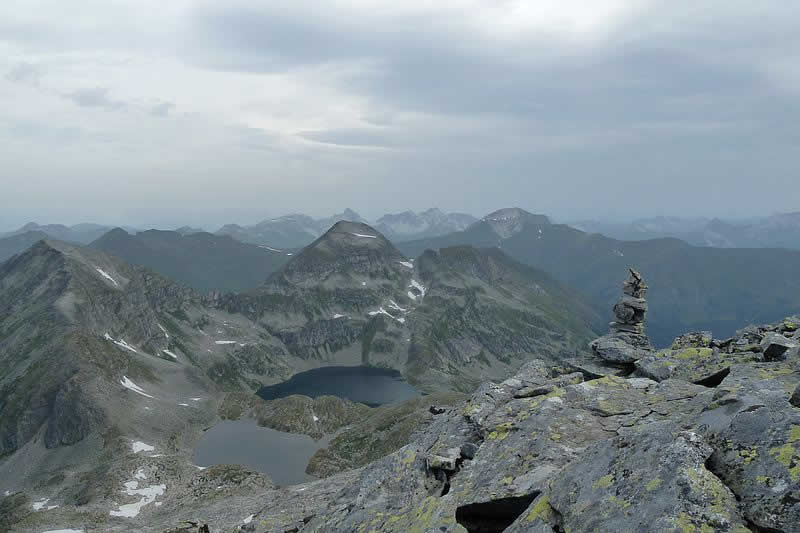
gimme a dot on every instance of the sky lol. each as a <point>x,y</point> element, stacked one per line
<point>166,113</point>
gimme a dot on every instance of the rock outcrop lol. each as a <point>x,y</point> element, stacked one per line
<point>626,341</point>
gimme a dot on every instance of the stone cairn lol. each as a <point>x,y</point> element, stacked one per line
<point>631,309</point>
<point>626,341</point>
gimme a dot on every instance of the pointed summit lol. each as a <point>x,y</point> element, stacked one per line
<point>348,250</point>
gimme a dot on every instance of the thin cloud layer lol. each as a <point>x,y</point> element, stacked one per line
<point>196,111</point>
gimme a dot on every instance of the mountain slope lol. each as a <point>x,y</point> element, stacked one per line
<point>445,320</point>
<point>79,233</point>
<point>200,260</point>
<point>19,243</point>
<point>693,287</point>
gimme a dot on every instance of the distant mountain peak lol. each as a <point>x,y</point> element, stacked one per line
<point>509,221</point>
<point>346,249</point>
<point>345,234</point>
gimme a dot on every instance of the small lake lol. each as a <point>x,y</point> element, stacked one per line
<point>282,456</point>
<point>364,384</point>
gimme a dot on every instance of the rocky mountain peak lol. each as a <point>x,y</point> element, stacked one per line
<point>509,221</point>
<point>346,249</point>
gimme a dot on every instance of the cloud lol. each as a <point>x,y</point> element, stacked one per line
<point>94,97</point>
<point>24,73</point>
<point>633,106</point>
<point>162,109</point>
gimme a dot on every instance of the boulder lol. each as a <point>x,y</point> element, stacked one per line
<point>774,346</point>
<point>651,480</point>
<point>696,365</point>
<point>615,349</point>
<point>695,339</point>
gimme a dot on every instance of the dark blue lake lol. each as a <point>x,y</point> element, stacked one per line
<point>370,385</point>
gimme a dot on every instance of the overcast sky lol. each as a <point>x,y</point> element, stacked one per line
<point>203,112</point>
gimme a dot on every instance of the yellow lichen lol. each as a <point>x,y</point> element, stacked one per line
<point>541,509</point>
<point>500,432</point>
<point>604,482</point>
<point>410,457</point>
<point>783,454</point>
<point>653,484</point>
<point>749,455</point>
<point>694,353</point>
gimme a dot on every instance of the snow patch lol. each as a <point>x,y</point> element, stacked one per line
<point>248,519</point>
<point>406,264</point>
<point>105,275</point>
<point>419,286</point>
<point>393,305</point>
<point>382,311</point>
<point>365,236</point>
<point>170,354</point>
<point>269,248</point>
<point>63,531</point>
<point>195,399</point>
<point>184,404</point>
<point>39,505</point>
<point>121,343</point>
<point>139,446</point>
<point>337,315</point>
<point>225,342</point>
<point>412,295</point>
<point>148,494</point>
<point>140,474</point>
<point>315,417</point>
<point>164,330</point>
<point>128,384</point>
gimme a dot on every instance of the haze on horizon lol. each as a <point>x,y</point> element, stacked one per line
<point>200,112</point>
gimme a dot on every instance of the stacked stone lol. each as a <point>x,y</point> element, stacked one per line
<point>626,341</point>
<point>631,309</point>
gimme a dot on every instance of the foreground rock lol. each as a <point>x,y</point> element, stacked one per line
<point>547,451</point>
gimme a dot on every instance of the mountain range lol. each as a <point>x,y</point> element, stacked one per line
<point>296,231</point>
<point>694,288</point>
<point>780,230</point>
<point>78,233</point>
